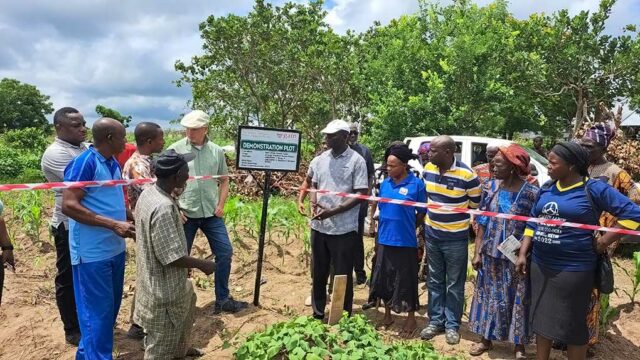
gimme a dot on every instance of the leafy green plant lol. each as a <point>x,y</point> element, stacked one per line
<point>607,313</point>
<point>634,276</point>
<point>28,210</point>
<point>309,339</point>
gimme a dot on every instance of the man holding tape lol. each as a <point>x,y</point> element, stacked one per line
<point>334,225</point>
<point>71,132</point>
<point>203,203</point>
<point>452,183</point>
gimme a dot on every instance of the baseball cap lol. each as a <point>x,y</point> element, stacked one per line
<point>170,161</point>
<point>195,119</point>
<point>336,125</point>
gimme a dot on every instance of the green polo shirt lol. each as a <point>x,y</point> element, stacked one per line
<point>200,198</point>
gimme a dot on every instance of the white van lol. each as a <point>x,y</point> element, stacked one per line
<point>472,150</point>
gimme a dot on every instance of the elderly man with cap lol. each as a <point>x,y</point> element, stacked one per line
<point>334,225</point>
<point>202,203</point>
<point>165,299</point>
<point>358,259</point>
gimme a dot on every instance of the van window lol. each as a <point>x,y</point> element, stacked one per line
<point>478,153</point>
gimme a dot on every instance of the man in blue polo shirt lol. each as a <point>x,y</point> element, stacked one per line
<point>452,183</point>
<point>97,227</point>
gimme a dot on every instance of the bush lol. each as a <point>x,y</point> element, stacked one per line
<point>33,140</point>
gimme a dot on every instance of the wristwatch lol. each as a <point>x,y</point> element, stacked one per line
<point>7,248</point>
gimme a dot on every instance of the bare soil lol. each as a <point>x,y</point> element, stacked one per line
<point>30,327</point>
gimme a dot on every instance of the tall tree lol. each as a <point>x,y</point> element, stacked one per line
<point>111,113</point>
<point>22,106</point>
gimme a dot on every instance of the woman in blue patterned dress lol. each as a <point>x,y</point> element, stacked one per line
<point>500,307</point>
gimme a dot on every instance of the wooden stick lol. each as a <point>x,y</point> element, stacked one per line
<point>337,298</point>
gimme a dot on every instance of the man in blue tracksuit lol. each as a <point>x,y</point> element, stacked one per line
<point>97,227</point>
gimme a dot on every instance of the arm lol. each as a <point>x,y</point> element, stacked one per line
<point>302,195</point>
<point>7,255</point>
<point>345,205</point>
<point>525,248</point>
<point>612,201</point>
<point>476,261</point>
<point>223,184</point>
<point>72,207</point>
<point>189,262</point>
<point>474,192</point>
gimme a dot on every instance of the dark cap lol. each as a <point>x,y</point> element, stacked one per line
<point>169,162</point>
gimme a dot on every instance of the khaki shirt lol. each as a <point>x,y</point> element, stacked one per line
<point>160,287</point>
<point>200,198</point>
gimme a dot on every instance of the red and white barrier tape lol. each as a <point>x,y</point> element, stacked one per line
<point>478,212</point>
<point>92,184</point>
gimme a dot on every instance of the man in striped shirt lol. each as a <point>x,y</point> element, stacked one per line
<point>452,183</point>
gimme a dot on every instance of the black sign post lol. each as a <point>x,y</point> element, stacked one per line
<point>267,150</point>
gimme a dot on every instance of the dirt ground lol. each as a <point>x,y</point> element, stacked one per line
<point>30,327</point>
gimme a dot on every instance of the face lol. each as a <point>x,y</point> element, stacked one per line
<point>336,140</point>
<point>491,153</point>
<point>395,168</point>
<point>73,129</point>
<point>117,140</point>
<point>537,142</point>
<point>157,144</point>
<point>353,137</point>
<point>424,157</point>
<point>595,151</point>
<point>502,169</point>
<point>182,176</point>
<point>439,154</point>
<point>557,167</point>
<point>197,135</point>
<point>324,146</point>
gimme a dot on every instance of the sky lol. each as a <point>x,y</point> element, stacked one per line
<point>121,54</point>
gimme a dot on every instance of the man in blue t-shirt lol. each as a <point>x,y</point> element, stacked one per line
<point>97,226</point>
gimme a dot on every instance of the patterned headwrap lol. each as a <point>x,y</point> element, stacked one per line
<point>424,148</point>
<point>517,156</point>
<point>601,133</point>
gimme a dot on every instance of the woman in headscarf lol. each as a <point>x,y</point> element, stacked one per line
<point>499,311</point>
<point>596,141</point>
<point>395,277</point>
<point>564,259</point>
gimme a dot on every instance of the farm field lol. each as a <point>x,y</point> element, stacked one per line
<point>31,329</point>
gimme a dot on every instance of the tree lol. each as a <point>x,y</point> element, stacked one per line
<point>22,106</point>
<point>110,113</point>
<point>278,66</point>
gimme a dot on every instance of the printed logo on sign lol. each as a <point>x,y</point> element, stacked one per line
<point>551,209</point>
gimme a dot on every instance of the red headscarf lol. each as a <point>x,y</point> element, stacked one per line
<point>517,156</point>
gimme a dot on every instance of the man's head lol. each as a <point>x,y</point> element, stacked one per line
<point>537,142</point>
<point>109,136</point>
<point>149,138</point>
<point>196,124</point>
<point>70,125</point>
<point>492,150</point>
<point>336,134</point>
<point>353,133</point>
<point>442,151</point>
<point>172,169</point>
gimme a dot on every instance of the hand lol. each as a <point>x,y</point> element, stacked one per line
<point>521,265</point>
<point>208,267</point>
<point>301,208</point>
<point>476,262</point>
<point>323,214</point>
<point>124,229</point>
<point>183,218</point>
<point>7,258</point>
<point>315,209</point>
<point>601,245</point>
<point>219,211</point>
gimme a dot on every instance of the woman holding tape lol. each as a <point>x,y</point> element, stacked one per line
<point>564,259</point>
<point>499,311</point>
<point>395,276</point>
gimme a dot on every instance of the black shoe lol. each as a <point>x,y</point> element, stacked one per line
<point>73,338</point>
<point>230,306</point>
<point>368,305</point>
<point>135,332</point>
<point>318,317</point>
<point>361,278</point>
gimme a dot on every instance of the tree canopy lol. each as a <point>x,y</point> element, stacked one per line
<point>22,106</point>
<point>456,69</point>
<point>111,113</point>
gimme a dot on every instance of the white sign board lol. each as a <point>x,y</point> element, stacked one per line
<point>268,149</point>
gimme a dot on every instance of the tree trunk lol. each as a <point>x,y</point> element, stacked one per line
<point>581,113</point>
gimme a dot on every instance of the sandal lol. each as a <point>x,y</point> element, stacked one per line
<point>480,348</point>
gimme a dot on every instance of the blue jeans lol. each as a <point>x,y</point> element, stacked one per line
<point>447,262</point>
<point>98,291</point>
<point>216,233</point>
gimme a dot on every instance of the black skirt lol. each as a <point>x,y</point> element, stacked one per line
<point>560,304</point>
<point>395,278</point>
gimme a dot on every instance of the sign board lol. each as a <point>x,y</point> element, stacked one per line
<point>268,149</point>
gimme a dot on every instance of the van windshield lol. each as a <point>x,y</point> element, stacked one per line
<point>533,154</point>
